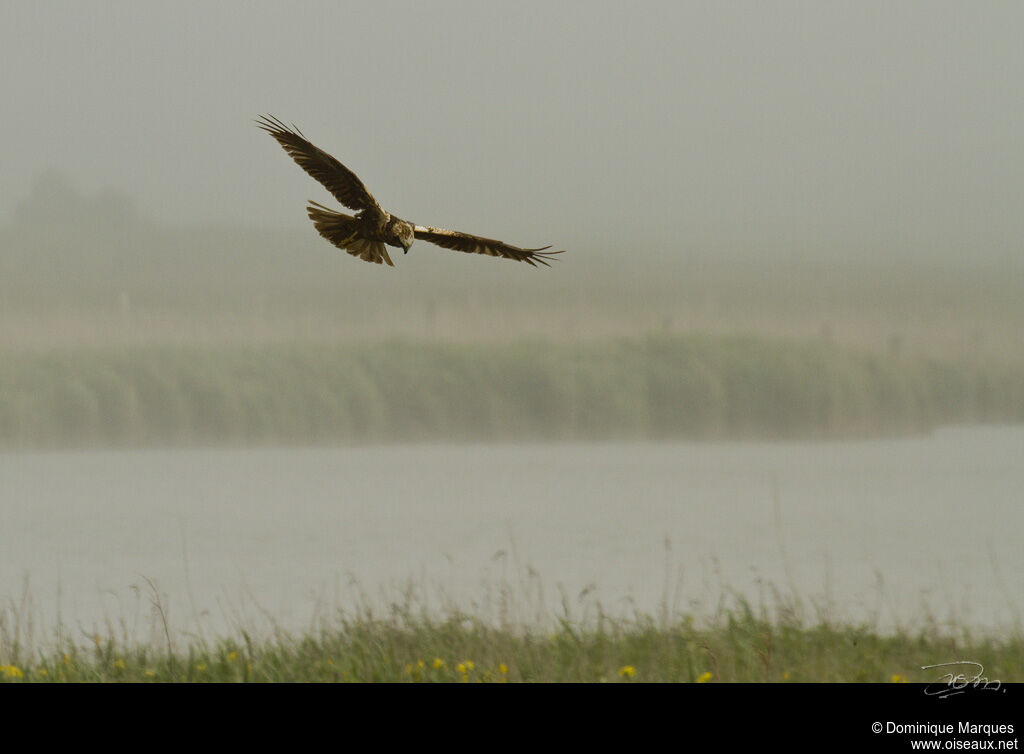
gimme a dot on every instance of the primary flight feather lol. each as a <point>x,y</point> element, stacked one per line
<point>368,234</point>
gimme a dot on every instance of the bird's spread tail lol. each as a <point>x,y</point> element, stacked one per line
<point>343,231</point>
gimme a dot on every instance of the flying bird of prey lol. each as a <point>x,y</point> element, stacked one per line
<point>373,229</point>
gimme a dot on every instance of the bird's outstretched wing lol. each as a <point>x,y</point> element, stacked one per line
<point>338,179</point>
<point>453,239</point>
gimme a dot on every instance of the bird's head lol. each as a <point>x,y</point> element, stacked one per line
<point>405,235</point>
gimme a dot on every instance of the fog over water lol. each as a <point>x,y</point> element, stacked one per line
<point>894,533</point>
<point>786,337</point>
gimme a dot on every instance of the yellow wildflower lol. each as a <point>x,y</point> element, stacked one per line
<point>503,668</point>
<point>232,656</point>
<point>627,671</point>
<point>438,663</point>
<point>897,678</point>
<point>119,663</point>
<point>705,677</point>
<point>150,673</point>
<point>12,671</point>
<point>42,672</point>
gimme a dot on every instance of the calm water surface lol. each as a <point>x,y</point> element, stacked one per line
<point>893,530</point>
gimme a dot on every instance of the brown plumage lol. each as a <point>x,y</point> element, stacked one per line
<point>368,234</point>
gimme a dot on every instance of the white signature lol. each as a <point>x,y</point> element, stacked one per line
<point>952,683</point>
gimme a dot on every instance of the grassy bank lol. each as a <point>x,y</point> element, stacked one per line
<point>738,646</point>
<point>680,387</point>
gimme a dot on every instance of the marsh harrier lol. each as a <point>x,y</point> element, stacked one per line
<point>368,234</point>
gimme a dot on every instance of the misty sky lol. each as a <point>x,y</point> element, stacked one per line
<point>856,127</point>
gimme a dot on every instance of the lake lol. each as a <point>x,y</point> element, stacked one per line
<point>899,532</point>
